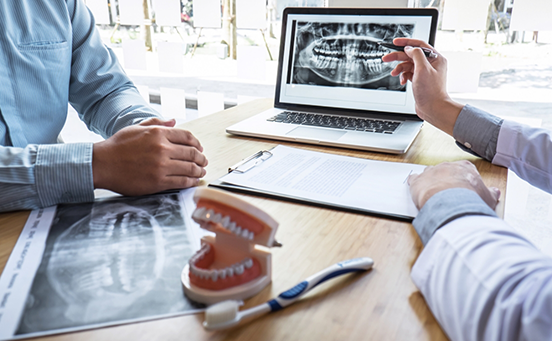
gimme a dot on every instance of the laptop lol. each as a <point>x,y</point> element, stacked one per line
<point>332,87</point>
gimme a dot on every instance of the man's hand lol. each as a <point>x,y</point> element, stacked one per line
<point>459,174</point>
<point>148,158</point>
<point>428,77</point>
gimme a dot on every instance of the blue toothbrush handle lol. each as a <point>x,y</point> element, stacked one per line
<point>291,295</point>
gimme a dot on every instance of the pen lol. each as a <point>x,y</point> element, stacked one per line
<point>429,53</point>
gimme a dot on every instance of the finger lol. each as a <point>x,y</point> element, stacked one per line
<point>155,121</point>
<point>417,55</point>
<point>407,76</point>
<point>184,168</point>
<point>491,197</point>
<point>395,56</point>
<point>188,154</point>
<point>184,137</point>
<point>411,42</point>
<point>412,178</point>
<point>174,182</point>
<point>402,67</point>
<point>495,192</point>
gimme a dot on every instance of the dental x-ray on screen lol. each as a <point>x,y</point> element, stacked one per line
<point>346,54</point>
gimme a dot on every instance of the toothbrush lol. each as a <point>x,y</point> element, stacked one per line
<point>226,314</point>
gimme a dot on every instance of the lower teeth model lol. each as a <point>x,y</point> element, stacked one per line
<point>228,266</point>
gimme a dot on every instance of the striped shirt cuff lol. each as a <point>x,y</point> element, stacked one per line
<point>446,206</point>
<point>476,132</point>
<point>63,173</point>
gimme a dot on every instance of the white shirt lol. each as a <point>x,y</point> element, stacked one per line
<point>481,279</point>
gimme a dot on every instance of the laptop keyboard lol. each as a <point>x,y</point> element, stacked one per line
<point>338,122</point>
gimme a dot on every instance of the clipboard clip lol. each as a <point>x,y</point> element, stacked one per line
<point>250,162</point>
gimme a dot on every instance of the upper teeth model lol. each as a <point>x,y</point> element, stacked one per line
<point>228,266</point>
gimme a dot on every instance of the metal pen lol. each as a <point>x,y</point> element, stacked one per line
<point>429,53</point>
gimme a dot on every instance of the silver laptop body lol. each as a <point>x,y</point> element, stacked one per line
<point>332,87</point>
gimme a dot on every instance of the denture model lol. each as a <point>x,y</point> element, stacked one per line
<point>229,265</point>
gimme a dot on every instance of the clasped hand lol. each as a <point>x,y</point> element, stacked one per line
<point>147,158</point>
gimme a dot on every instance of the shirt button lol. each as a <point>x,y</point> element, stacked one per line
<point>467,144</point>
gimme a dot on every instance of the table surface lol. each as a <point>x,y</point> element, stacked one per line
<point>382,304</point>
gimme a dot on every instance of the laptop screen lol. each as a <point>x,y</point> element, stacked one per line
<point>330,58</point>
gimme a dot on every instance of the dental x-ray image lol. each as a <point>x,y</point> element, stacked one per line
<point>110,262</point>
<point>346,54</point>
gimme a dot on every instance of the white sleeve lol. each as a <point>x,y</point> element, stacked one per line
<point>527,151</point>
<point>483,281</point>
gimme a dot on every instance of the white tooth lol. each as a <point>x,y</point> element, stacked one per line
<point>205,274</point>
<point>248,263</point>
<point>225,221</point>
<point>222,274</point>
<point>230,271</point>
<point>198,213</point>
<point>209,214</point>
<point>214,275</point>
<point>238,230</point>
<point>217,218</point>
<point>232,227</point>
<point>251,235</point>
<point>245,233</point>
<point>239,269</point>
<point>207,248</point>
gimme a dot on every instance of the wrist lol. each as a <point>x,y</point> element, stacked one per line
<point>446,112</point>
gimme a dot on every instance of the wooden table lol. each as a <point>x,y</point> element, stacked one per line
<point>382,304</point>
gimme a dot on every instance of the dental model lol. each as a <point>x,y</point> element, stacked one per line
<point>228,265</point>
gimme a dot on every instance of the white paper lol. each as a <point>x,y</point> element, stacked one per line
<point>173,103</point>
<point>25,261</point>
<point>251,14</point>
<point>167,12</point>
<point>464,69</point>
<point>252,62</point>
<point>131,12</point>
<point>465,14</point>
<point>532,15</point>
<point>18,274</point>
<point>207,13</point>
<point>334,180</point>
<point>134,54</point>
<point>100,10</point>
<point>368,3</point>
<point>209,102</point>
<point>170,57</point>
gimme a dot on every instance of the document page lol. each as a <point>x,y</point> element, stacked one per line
<point>341,181</point>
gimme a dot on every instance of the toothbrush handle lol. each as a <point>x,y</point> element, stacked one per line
<point>291,295</point>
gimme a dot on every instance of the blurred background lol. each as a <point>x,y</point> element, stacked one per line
<point>192,58</point>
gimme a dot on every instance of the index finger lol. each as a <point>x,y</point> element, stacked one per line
<point>394,56</point>
<point>411,42</point>
<point>184,137</point>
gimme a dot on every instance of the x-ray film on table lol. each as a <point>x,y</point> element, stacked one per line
<point>110,262</point>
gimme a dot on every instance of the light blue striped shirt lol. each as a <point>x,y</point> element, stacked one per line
<point>51,54</point>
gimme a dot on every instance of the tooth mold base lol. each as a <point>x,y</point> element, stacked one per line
<point>230,264</point>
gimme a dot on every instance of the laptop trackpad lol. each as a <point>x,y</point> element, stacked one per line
<point>316,133</point>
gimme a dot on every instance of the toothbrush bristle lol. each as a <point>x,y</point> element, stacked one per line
<point>221,313</point>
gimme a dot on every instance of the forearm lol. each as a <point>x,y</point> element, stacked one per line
<point>481,279</point>
<point>45,175</point>
<point>99,89</point>
<point>526,151</point>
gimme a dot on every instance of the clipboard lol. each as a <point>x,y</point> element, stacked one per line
<point>259,158</point>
